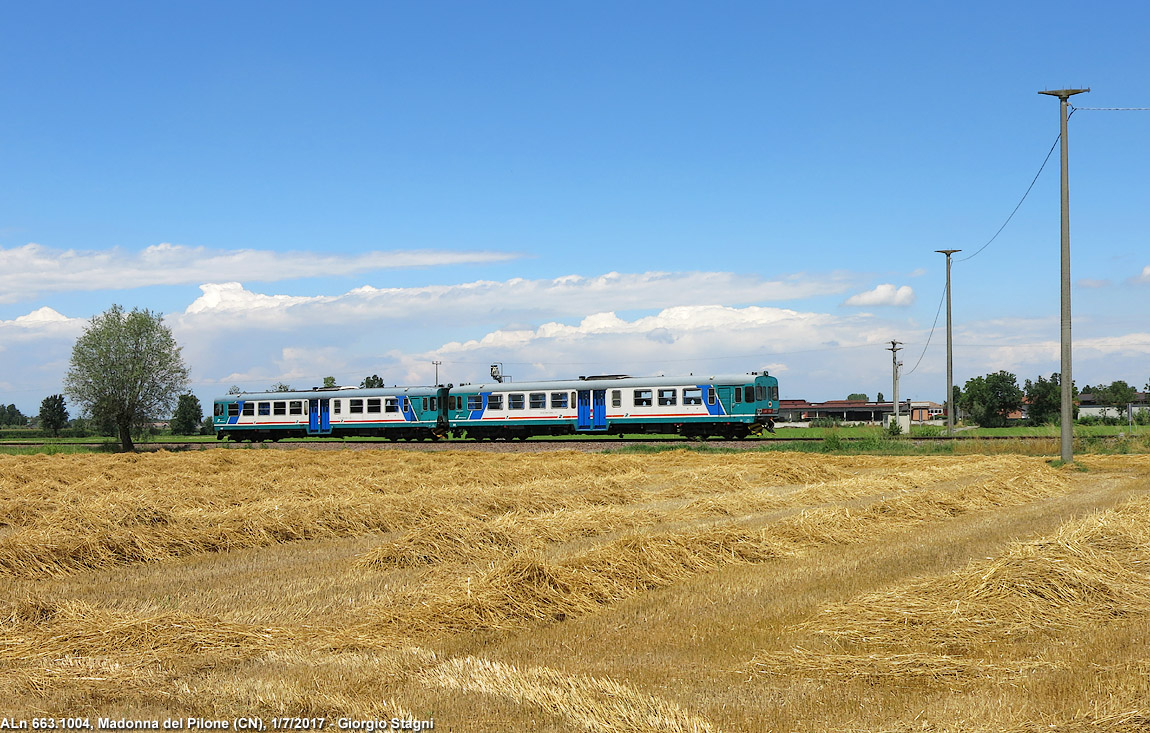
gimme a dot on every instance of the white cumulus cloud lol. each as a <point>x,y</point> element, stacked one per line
<point>885,294</point>
<point>33,268</point>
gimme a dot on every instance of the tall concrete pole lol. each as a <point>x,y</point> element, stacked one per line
<point>1066,378</point>
<point>949,348</point>
<point>894,349</point>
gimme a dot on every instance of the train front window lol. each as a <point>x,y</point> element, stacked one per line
<point>220,410</point>
<point>760,393</point>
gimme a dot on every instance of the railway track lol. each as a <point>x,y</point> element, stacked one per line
<point>530,444</point>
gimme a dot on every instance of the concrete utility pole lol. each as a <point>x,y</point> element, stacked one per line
<point>1067,428</point>
<point>436,363</point>
<point>949,348</point>
<point>894,349</point>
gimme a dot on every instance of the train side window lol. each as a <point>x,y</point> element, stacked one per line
<point>295,407</point>
<point>574,399</point>
<point>390,404</point>
<point>668,397</point>
<point>710,395</point>
<point>642,398</point>
<point>495,402</point>
<point>515,401</point>
<point>405,404</point>
<point>265,409</point>
<point>233,409</point>
<point>616,398</point>
<point>279,408</point>
<point>433,401</point>
<point>335,407</point>
<point>738,394</point>
<point>749,391</point>
<point>374,405</point>
<point>538,400</point>
<point>558,400</point>
<point>355,406</point>
<point>249,409</point>
<point>474,402</point>
<point>693,396</point>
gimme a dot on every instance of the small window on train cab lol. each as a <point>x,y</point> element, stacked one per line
<point>515,401</point>
<point>233,409</point>
<point>710,395</point>
<point>643,398</point>
<point>335,407</point>
<point>558,400</point>
<point>219,411</point>
<point>738,394</point>
<point>760,392</point>
<point>374,404</point>
<point>355,406</point>
<point>495,402</point>
<point>616,398</point>
<point>668,397</point>
<point>537,400</point>
<point>433,401</point>
<point>249,409</point>
<point>774,392</point>
<point>692,396</point>
<point>474,402</point>
<point>749,392</point>
<point>295,407</point>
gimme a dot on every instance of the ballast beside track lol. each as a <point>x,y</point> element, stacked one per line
<point>583,444</point>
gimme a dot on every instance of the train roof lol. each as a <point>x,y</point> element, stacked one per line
<point>314,394</point>
<point>613,381</point>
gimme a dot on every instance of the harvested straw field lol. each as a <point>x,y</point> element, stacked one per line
<point>568,591</point>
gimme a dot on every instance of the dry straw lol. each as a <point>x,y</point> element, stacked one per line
<point>589,703</point>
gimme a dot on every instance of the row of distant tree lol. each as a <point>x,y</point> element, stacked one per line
<point>989,400</point>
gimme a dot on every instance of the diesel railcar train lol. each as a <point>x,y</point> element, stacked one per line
<point>725,405</point>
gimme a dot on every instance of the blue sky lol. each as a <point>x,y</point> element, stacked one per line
<point>343,189</point>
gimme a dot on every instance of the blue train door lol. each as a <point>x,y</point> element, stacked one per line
<point>319,417</point>
<point>592,410</point>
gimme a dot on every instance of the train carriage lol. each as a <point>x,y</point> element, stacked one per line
<point>408,413</point>
<point>721,405</point>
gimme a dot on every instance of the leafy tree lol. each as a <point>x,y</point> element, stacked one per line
<point>1117,395</point>
<point>188,415</point>
<point>53,414</point>
<point>328,382</point>
<point>988,400</point>
<point>126,368</point>
<point>857,396</point>
<point>1045,399</point>
<point>280,387</point>
<point>10,415</point>
<point>372,382</point>
<point>879,398</point>
<point>235,389</point>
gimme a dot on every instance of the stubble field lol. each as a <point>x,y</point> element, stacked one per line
<point>570,591</point>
